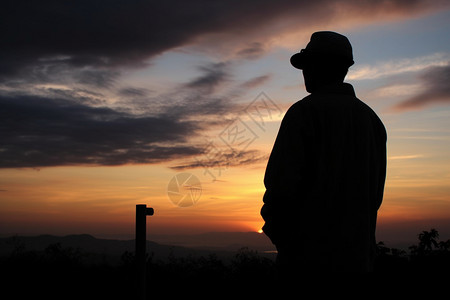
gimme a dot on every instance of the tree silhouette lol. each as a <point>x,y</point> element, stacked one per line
<point>427,241</point>
<point>444,246</point>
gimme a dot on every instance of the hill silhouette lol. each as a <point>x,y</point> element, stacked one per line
<point>84,266</point>
<point>222,244</point>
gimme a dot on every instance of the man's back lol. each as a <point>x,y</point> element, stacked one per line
<point>325,181</point>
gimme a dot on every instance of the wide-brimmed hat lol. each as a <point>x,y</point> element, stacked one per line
<point>325,46</point>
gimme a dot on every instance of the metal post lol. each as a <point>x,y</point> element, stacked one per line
<point>141,213</point>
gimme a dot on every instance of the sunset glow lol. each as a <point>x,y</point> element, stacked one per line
<point>88,132</point>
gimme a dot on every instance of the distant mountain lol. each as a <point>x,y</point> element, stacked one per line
<point>85,243</point>
<point>222,244</point>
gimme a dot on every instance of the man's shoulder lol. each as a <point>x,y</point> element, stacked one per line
<point>372,115</point>
<point>365,107</point>
<point>301,104</point>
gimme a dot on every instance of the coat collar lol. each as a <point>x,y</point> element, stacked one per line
<point>341,89</point>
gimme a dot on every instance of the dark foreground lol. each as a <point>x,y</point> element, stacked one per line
<point>66,273</point>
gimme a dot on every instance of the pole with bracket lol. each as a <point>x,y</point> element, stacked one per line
<point>142,211</point>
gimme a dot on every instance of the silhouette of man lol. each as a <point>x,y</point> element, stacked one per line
<point>325,176</point>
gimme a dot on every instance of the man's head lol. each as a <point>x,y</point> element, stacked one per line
<point>325,60</point>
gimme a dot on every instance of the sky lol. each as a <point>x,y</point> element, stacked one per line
<point>176,104</point>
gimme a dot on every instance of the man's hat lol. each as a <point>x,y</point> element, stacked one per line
<point>325,45</point>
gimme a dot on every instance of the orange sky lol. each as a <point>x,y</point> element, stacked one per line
<point>101,200</point>
<point>201,86</point>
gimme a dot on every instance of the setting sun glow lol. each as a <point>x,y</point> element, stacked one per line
<point>183,117</point>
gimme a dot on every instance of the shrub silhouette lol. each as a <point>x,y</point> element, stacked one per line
<point>249,265</point>
<point>428,255</point>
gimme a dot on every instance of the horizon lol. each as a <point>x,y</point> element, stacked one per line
<point>209,238</point>
<point>148,111</point>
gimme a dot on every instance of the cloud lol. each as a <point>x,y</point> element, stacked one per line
<point>255,82</point>
<point>396,67</point>
<point>93,33</point>
<point>133,92</point>
<point>53,125</point>
<point>39,132</point>
<point>405,157</point>
<point>60,63</point>
<point>253,51</point>
<point>223,160</point>
<point>214,75</point>
<point>57,69</point>
<point>436,89</point>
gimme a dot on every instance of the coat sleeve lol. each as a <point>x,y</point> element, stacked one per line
<point>285,173</point>
<point>383,164</point>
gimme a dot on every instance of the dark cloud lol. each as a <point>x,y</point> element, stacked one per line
<point>133,92</point>
<point>255,82</point>
<point>223,160</point>
<point>253,51</point>
<point>108,34</point>
<point>57,70</point>
<point>39,132</point>
<point>201,97</point>
<point>75,126</point>
<point>60,62</point>
<point>96,78</point>
<point>214,75</point>
<point>77,95</point>
<point>435,81</point>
